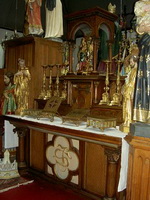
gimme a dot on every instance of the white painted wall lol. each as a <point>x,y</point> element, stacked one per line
<point>5,34</point>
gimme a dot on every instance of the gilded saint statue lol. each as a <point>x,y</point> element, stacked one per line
<point>21,80</point>
<point>85,55</point>
<point>128,92</point>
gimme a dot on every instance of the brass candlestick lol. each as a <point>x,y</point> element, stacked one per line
<point>116,96</point>
<point>64,91</point>
<point>105,95</point>
<point>43,94</point>
<point>49,91</point>
<point>56,92</point>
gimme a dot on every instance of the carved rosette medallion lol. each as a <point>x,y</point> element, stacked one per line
<point>62,157</point>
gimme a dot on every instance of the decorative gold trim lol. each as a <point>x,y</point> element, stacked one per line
<point>141,115</point>
<point>76,116</point>
<point>49,111</point>
<point>137,30</point>
<point>101,122</point>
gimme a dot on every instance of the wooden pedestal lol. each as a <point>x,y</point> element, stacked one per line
<point>138,184</point>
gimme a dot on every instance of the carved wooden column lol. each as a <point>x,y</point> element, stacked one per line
<point>96,83</point>
<point>71,47</point>
<point>110,43</point>
<point>95,53</point>
<point>21,131</point>
<point>113,156</point>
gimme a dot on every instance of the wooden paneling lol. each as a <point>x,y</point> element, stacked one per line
<point>95,169</point>
<point>98,157</point>
<point>138,185</point>
<point>36,52</point>
<point>37,156</point>
<point>81,95</point>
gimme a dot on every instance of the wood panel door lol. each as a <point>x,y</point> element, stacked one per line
<point>81,95</point>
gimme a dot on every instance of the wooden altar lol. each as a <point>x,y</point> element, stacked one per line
<point>94,157</point>
<point>97,155</point>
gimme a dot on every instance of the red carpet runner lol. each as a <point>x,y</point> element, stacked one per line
<point>40,190</point>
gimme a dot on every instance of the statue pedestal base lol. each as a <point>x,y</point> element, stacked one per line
<point>140,129</point>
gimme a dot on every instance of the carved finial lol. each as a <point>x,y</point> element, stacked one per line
<point>111,8</point>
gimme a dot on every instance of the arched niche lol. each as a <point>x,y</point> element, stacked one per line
<point>106,29</point>
<point>81,34</point>
<point>81,29</point>
<point>88,21</point>
<point>103,49</point>
<point>109,45</point>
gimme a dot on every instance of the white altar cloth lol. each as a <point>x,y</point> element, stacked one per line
<point>10,138</point>
<point>114,132</point>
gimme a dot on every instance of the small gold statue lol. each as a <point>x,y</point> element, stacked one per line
<point>21,81</point>
<point>128,92</point>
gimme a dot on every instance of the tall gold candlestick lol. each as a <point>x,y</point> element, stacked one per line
<point>105,95</point>
<point>56,92</point>
<point>64,91</point>
<point>43,91</point>
<point>49,91</point>
<point>116,96</point>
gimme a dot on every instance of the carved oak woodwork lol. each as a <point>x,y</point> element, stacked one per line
<point>113,156</point>
<point>98,157</point>
<point>138,183</point>
<point>91,20</point>
<point>21,132</point>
